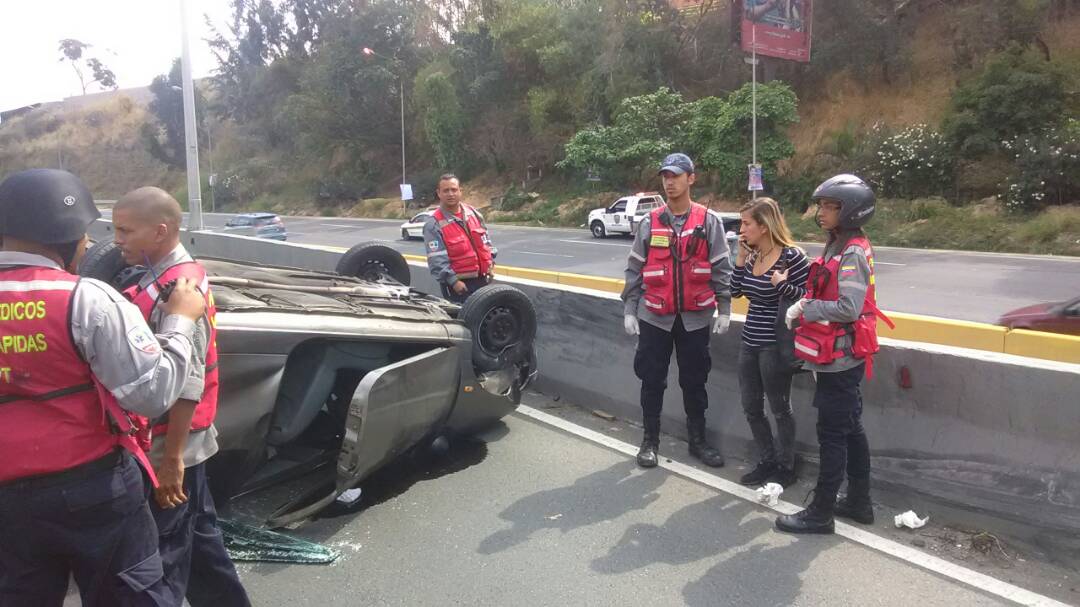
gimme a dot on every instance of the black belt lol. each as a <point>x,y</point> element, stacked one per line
<point>109,461</point>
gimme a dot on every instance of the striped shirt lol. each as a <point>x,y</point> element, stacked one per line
<point>760,327</point>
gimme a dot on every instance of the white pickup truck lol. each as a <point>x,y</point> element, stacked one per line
<point>623,214</point>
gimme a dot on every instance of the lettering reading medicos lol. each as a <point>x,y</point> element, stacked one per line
<point>15,343</point>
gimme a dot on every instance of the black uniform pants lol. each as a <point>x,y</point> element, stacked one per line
<point>96,526</point>
<point>842,442</point>
<point>651,366</point>
<point>192,549</point>
<point>472,284</point>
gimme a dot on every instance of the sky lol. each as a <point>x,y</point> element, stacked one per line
<point>136,39</point>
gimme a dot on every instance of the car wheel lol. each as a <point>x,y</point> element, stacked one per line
<point>405,234</point>
<point>502,320</point>
<point>597,229</point>
<point>105,262</point>
<point>374,262</point>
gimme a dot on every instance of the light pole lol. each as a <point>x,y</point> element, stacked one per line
<point>190,134</point>
<point>401,84</point>
<point>209,156</point>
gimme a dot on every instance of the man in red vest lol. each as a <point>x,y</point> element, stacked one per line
<point>75,357</point>
<point>678,279</point>
<point>459,251</point>
<point>146,224</point>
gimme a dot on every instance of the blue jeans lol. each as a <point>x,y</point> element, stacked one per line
<point>762,374</point>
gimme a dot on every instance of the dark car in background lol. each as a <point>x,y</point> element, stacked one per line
<point>259,225</point>
<point>1053,317</point>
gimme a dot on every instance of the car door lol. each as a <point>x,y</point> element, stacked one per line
<point>641,212</point>
<point>615,217</point>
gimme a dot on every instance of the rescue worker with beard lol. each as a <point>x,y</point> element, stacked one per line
<point>678,279</point>
<point>146,228</point>
<point>837,338</point>
<point>459,251</point>
<point>75,357</point>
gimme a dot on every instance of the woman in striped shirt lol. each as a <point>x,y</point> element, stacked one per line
<point>768,266</point>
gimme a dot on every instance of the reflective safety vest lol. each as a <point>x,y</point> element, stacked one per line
<point>467,243</point>
<point>816,341</point>
<point>145,300</point>
<point>677,270</point>
<point>54,413</point>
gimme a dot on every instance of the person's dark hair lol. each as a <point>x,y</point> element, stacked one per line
<point>448,177</point>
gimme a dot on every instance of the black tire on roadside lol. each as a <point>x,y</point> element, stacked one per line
<point>597,229</point>
<point>105,262</point>
<point>502,320</point>
<point>374,262</point>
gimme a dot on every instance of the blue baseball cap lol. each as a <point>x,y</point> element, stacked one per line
<point>677,163</point>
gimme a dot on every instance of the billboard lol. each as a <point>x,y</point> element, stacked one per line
<point>781,28</point>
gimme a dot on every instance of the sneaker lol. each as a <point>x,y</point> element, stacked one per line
<point>759,475</point>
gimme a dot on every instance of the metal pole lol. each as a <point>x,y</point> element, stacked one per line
<point>753,97</point>
<point>210,160</point>
<point>401,82</point>
<point>191,138</point>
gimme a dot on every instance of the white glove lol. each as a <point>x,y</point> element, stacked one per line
<point>794,312</point>
<point>723,321</point>
<point>630,323</point>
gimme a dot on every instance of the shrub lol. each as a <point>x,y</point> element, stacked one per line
<point>1047,170</point>
<point>915,162</point>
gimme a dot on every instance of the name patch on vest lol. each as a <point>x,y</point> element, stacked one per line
<point>660,241</point>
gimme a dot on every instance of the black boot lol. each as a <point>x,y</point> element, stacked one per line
<point>816,518</point>
<point>650,443</point>
<point>699,447</point>
<point>856,505</point>
<point>784,476</point>
<point>759,474</point>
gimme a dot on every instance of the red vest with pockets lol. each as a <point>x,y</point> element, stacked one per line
<point>145,300</point>
<point>54,413</point>
<point>816,341</point>
<point>677,284</point>
<point>469,250</point>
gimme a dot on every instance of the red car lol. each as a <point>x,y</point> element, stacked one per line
<point>1054,317</point>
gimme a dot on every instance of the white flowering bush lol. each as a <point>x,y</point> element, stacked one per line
<point>917,161</point>
<point>1047,170</point>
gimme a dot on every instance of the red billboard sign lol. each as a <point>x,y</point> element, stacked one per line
<point>777,28</point>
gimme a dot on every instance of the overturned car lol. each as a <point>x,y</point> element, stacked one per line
<point>337,374</point>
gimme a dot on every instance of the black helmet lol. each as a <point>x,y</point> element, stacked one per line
<point>46,206</point>
<point>855,197</point>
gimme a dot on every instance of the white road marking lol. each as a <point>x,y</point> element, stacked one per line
<point>885,263</point>
<point>545,254</point>
<point>603,244</point>
<point>896,550</point>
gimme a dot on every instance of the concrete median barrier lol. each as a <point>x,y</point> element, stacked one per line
<point>989,429</point>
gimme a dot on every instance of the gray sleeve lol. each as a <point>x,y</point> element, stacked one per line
<point>854,279</point>
<point>145,372</point>
<point>438,260</point>
<point>632,289</point>
<point>193,387</point>
<point>720,258</point>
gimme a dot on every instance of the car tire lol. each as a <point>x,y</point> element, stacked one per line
<point>105,262</point>
<point>374,262</point>
<point>597,229</point>
<point>405,234</point>
<point>502,320</point>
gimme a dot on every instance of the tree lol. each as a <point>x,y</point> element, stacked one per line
<point>72,51</point>
<point>437,103</point>
<point>164,137</point>
<point>1017,93</point>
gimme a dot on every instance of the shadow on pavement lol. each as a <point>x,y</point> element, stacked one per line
<point>597,497</point>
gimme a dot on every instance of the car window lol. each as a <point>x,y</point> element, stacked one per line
<point>618,207</point>
<point>238,222</point>
<point>421,218</point>
<point>1073,310</point>
<point>645,208</point>
<point>732,225</point>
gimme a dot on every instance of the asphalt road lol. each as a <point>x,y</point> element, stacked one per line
<point>514,518</point>
<point>949,284</point>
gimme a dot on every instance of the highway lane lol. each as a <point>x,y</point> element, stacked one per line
<point>950,284</point>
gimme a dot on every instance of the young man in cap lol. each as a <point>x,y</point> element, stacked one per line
<point>74,359</point>
<point>146,228</point>
<point>678,280</point>
<point>459,251</point>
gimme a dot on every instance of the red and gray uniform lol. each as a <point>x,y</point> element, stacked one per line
<point>854,277</point>
<point>719,267</point>
<point>86,331</point>
<point>202,442</point>
<point>458,246</point>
